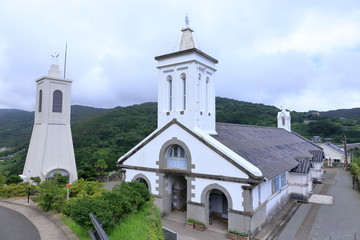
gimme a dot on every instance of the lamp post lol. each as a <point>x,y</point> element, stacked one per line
<point>67,191</point>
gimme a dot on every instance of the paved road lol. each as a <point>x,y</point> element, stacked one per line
<point>15,226</point>
<point>48,226</point>
<point>322,222</point>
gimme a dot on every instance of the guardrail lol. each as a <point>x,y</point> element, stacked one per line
<point>98,233</point>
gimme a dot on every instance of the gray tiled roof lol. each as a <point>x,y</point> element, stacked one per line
<point>303,167</point>
<point>272,150</point>
<point>334,147</point>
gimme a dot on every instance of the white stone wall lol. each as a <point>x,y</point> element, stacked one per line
<point>206,161</point>
<point>300,184</point>
<point>317,171</point>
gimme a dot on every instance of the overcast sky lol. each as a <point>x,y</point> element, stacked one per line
<point>303,55</point>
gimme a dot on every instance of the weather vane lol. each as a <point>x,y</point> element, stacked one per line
<point>55,57</point>
<point>187,20</point>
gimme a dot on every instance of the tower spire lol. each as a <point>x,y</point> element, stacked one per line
<point>187,41</point>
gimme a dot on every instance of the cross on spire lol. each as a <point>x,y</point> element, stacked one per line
<point>187,20</point>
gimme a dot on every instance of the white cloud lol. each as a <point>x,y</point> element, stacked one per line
<point>317,34</point>
<point>274,52</point>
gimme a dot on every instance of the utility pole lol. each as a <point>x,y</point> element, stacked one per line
<point>346,159</point>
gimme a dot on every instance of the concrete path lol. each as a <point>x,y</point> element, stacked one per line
<point>49,226</point>
<point>15,226</point>
<point>321,222</point>
<point>176,223</point>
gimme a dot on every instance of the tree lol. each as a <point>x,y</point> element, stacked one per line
<point>87,172</point>
<point>101,166</point>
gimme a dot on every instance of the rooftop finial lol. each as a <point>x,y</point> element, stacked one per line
<point>55,57</point>
<point>187,20</point>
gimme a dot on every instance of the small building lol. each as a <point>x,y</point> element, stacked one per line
<point>333,153</point>
<point>239,174</point>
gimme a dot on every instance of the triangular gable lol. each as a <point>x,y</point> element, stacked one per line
<point>206,139</point>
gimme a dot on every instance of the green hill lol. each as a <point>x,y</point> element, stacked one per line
<point>16,125</point>
<point>353,113</point>
<point>109,133</point>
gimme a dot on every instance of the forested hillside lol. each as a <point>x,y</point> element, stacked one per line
<point>343,113</point>
<point>109,133</point>
<point>16,125</point>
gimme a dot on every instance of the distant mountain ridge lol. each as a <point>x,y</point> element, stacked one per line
<point>109,133</point>
<point>353,113</point>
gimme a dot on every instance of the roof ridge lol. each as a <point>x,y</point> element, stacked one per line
<point>247,125</point>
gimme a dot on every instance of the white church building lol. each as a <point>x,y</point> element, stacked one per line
<point>239,174</point>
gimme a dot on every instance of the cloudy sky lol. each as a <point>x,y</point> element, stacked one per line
<point>302,55</point>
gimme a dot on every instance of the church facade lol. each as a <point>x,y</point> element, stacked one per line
<point>238,174</point>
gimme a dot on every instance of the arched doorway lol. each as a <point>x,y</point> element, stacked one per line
<point>178,193</point>
<point>65,175</point>
<point>217,201</point>
<point>218,206</point>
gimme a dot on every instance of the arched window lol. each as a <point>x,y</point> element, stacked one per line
<point>169,79</point>
<point>40,100</point>
<point>57,101</point>
<point>176,157</point>
<point>199,94</point>
<point>183,79</point>
<point>283,121</point>
<point>207,94</point>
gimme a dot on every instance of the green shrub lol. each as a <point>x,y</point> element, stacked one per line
<point>190,220</point>
<point>13,179</point>
<point>242,234</point>
<point>79,209</point>
<point>110,206</point>
<point>37,180</point>
<point>354,169</point>
<point>82,188</point>
<point>52,196</point>
<point>13,190</point>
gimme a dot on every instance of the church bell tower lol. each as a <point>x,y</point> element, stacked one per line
<point>51,148</point>
<point>186,86</point>
<point>284,120</point>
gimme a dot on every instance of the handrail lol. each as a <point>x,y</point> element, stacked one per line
<point>99,233</point>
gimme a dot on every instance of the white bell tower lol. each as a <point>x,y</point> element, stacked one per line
<point>186,86</point>
<point>51,148</point>
<point>284,120</point>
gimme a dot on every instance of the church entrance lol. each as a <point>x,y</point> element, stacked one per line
<point>178,193</point>
<point>218,208</point>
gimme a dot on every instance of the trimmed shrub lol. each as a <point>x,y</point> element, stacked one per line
<point>110,206</point>
<point>81,188</point>
<point>14,190</point>
<point>52,197</point>
<point>13,179</point>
